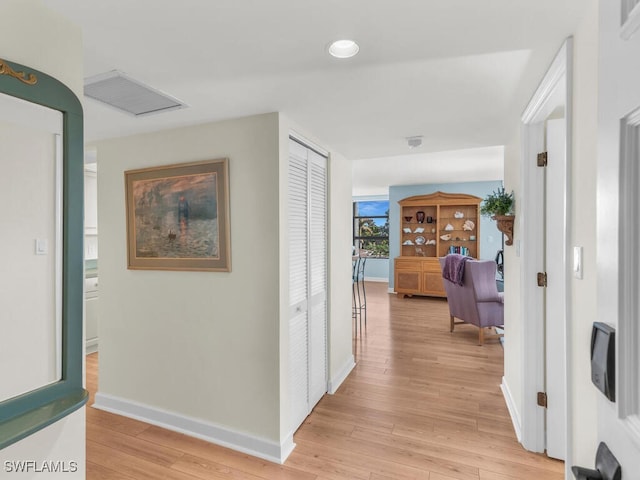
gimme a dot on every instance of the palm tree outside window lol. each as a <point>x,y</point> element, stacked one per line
<point>371,228</point>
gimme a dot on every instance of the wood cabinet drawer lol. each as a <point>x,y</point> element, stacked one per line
<point>431,265</point>
<point>408,264</point>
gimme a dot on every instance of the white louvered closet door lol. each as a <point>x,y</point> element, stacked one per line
<point>307,279</point>
<point>318,278</point>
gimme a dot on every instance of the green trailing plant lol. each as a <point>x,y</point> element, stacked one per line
<point>499,202</point>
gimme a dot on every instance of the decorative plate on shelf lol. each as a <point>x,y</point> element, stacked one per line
<point>420,240</point>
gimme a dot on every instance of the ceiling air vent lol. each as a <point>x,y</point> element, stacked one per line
<point>124,93</point>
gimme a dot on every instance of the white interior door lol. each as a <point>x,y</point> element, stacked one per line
<point>298,280</point>
<point>618,227</point>
<point>555,293</point>
<point>307,279</point>
<point>318,277</point>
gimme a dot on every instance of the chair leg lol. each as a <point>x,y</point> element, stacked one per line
<point>452,322</point>
<point>481,336</point>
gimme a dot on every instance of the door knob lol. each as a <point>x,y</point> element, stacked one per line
<point>586,473</point>
<point>607,467</point>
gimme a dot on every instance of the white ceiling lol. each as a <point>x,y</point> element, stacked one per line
<point>458,72</point>
<point>373,176</point>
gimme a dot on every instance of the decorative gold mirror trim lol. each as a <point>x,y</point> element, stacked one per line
<point>23,77</point>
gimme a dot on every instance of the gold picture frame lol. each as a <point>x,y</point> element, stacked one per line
<point>178,217</point>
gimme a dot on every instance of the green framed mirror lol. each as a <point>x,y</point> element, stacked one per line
<point>41,282</point>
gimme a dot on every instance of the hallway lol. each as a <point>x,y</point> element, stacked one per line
<point>422,403</point>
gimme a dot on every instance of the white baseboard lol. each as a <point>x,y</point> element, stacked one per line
<point>391,290</point>
<point>511,406</point>
<point>342,374</point>
<point>91,346</point>
<point>195,427</point>
<point>376,279</point>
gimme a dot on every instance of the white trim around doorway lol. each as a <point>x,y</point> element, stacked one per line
<point>555,90</point>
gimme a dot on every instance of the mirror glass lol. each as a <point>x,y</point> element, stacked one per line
<point>30,246</point>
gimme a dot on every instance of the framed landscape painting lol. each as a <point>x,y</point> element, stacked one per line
<point>178,217</point>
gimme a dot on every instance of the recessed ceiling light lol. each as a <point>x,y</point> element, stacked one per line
<point>344,48</point>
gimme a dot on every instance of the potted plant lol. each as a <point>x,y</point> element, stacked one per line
<point>499,206</point>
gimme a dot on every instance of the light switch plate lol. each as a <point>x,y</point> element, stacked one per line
<point>577,262</point>
<point>42,246</point>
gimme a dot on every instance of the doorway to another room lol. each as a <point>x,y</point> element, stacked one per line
<point>91,250</point>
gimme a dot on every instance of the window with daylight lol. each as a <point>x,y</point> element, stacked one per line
<point>371,228</point>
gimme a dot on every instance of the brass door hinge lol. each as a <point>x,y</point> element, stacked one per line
<point>542,279</point>
<point>542,399</point>
<point>542,159</point>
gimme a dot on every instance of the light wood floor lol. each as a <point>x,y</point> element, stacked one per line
<point>422,403</point>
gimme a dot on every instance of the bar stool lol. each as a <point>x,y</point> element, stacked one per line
<point>359,292</point>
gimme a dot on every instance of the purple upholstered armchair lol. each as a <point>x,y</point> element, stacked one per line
<point>477,301</point>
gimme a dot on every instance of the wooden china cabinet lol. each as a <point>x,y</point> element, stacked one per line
<point>432,226</point>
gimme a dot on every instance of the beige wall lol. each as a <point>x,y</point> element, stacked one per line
<point>29,327</point>
<point>214,346</point>
<point>34,36</point>
<point>582,224</point>
<point>201,344</point>
<point>341,358</point>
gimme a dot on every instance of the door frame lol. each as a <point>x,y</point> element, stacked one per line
<point>554,91</point>
<point>627,224</point>
<point>312,147</point>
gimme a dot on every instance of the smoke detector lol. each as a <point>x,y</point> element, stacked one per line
<point>415,141</point>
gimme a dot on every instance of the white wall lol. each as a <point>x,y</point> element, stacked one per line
<point>583,233</point>
<point>582,409</point>
<point>512,272</point>
<point>34,36</point>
